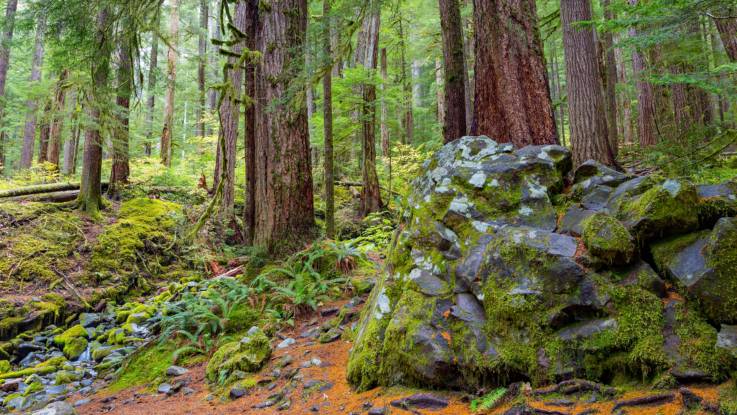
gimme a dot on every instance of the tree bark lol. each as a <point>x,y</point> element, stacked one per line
<point>89,196</point>
<point>151,103</point>
<point>5,44</point>
<point>44,132</point>
<point>561,113</point>
<point>212,97</point>
<point>645,96</point>
<point>453,56</point>
<point>626,123</point>
<point>120,168</point>
<point>70,145</point>
<point>284,198</point>
<point>587,111</point>
<point>249,210</point>
<point>440,95</point>
<point>512,99</point>
<point>610,80</point>
<point>384,126</point>
<point>202,55</point>
<point>327,97</point>
<point>230,111</point>
<point>57,123</point>
<point>367,53</point>
<point>29,133</point>
<point>167,133</point>
<point>467,79</point>
<point>726,24</point>
<point>407,117</point>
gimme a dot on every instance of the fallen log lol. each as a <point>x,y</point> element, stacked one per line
<point>40,188</point>
<point>54,197</point>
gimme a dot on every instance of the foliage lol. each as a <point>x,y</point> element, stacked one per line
<point>488,401</point>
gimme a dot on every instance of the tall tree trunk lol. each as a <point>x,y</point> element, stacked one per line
<point>57,123</point>
<point>610,80</point>
<point>384,126</point>
<point>367,53</point>
<point>726,22</point>
<point>587,111</point>
<point>90,190</point>
<point>29,133</point>
<point>44,132</point>
<point>559,96</point>
<point>212,96</point>
<point>512,100</point>
<point>70,145</point>
<point>407,118</point>
<point>467,79</point>
<point>249,210</point>
<point>626,124</point>
<point>120,169</point>
<point>201,64</point>
<point>439,92</point>
<point>5,45</point>
<point>284,199</point>
<point>455,92</point>
<point>151,103</point>
<point>167,133</point>
<point>327,99</point>
<point>645,96</point>
<point>230,111</point>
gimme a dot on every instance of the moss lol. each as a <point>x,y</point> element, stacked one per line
<point>33,387</point>
<point>607,239</point>
<point>247,355</point>
<point>70,334</point>
<point>146,367</point>
<point>4,366</point>
<point>49,366</point>
<point>75,347</point>
<point>363,363</point>
<point>666,250</point>
<point>63,377</point>
<point>9,326</point>
<point>240,318</point>
<point>658,211</point>
<point>144,226</point>
<point>697,344</point>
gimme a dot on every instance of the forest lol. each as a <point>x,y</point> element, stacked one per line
<point>517,207</point>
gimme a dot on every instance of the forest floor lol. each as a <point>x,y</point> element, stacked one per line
<point>332,395</point>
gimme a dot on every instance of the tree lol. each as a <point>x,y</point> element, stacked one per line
<point>202,61</point>
<point>726,24</point>
<point>5,44</point>
<point>89,199</point>
<point>230,110</point>
<point>58,114</point>
<point>384,127</point>
<point>407,118</point>
<point>151,103</point>
<point>44,132</point>
<point>120,168</point>
<point>284,199</point>
<point>610,79</point>
<point>249,209</point>
<point>72,144</point>
<point>455,94</point>
<point>645,95</point>
<point>587,111</point>
<point>367,55</point>
<point>29,133</point>
<point>512,101</point>
<point>327,92</point>
<point>171,81</point>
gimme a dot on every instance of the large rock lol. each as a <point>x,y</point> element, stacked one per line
<point>608,240</point>
<point>704,263</point>
<point>247,355</point>
<point>479,287</point>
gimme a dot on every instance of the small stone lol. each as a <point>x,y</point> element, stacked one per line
<point>187,390</point>
<point>164,388</point>
<point>329,311</point>
<point>81,402</point>
<point>57,408</point>
<point>11,385</point>
<point>378,410</point>
<point>330,336</point>
<point>286,343</point>
<point>237,392</point>
<point>421,401</point>
<point>176,371</point>
<point>285,405</point>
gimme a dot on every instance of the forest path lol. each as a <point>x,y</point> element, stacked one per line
<point>336,396</point>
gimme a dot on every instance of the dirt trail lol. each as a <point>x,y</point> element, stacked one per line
<point>336,398</point>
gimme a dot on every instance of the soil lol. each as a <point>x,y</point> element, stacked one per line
<point>340,398</point>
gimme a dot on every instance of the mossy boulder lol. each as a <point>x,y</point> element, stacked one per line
<point>705,265</point>
<point>717,201</point>
<point>75,347</point>
<point>608,240</point>
<point>70,334</point>
<point>480,287</point>
<point>247,355</point>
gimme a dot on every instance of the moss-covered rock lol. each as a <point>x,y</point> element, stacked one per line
<point>70,334</point>
<point>608,240</point>
<point>75,347</point>
<point>247,355</point>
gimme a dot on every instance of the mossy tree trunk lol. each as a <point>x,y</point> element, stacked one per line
<point>327,92</point>
<point>454,126</point>
<point>120,169</point>
<point>284,199</point>
<point>29,132</point>
<point>249,210</point>
<point>57,123</point>
<point>90,199</point>
<point>151,87</point>
<point>171,81</point>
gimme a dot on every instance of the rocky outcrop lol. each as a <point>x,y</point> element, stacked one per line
<point>484,283</point>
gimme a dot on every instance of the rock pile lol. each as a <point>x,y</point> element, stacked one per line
<point>497,274</point>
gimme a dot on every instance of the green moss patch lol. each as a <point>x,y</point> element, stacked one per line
<point>607,239</point>
<point>145,368</point>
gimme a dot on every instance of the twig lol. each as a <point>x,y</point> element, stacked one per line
<point>71,287</point>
